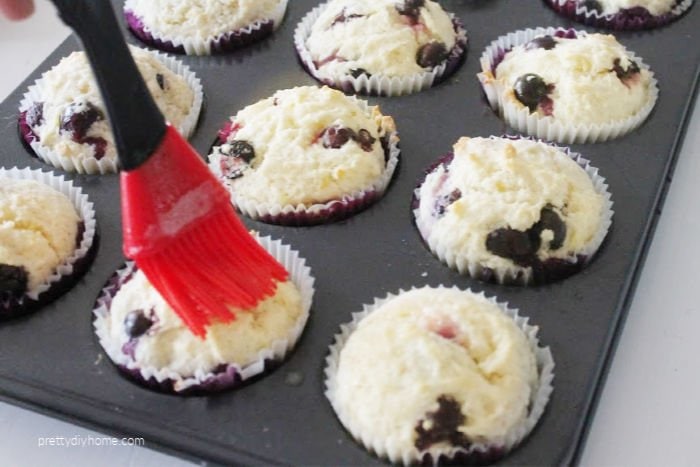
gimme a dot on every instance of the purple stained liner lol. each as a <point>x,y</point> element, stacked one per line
<point>225,43</point>
<point>543,272</point>
<point>489,456</point>
<point>336,211</point>
<point>627,19</point>
<point>223,377</point>
<point>26,133</point>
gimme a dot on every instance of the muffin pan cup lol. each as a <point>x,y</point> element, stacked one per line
<point>624,20</point>
<point>230,374</point>
<point>53,363</point>
<point>209,45</point>
<point>378,84</point>
<point>72,268</point>
<point>317,213</point>
<point>92,165</point>
<point>478,451</point>
<point>547,127</point>
<point>514,274</point>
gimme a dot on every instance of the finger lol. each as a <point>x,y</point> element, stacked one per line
<point>16,9</point>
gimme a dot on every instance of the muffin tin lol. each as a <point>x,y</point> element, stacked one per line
<point>50,361</point>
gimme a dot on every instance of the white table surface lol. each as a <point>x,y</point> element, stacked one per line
<point>650,407</point>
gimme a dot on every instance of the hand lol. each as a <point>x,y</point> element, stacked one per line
<point>17,9</point>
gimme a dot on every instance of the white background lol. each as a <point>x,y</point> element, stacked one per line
<point>650,408</point>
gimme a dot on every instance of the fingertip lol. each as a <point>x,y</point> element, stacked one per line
<point>16,10</point>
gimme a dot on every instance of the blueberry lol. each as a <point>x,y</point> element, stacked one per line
<point>13,280</point>
<point>625,74</point>
<point>513,244</point>
<point>78,118</point>
<point>365,140</point>
<point>160,79</point>
<point>530,89</point>
<point>240,149</point>
<point>550,220</point>
<point>591,5</point>
<point>386,146</point>
<point>541,42</point>
<point>444,201</point>
<point>232,167</point>
<point>99,144</point>
<point>344,18</point>
<point>431,54</point>
<point>357,72</point>
<point>442,425</point>
<point>35,114</point>
<point>410,8</point>
<point>335,137</point>
<point>137,323</point>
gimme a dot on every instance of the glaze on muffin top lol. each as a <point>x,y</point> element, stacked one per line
<point>434,369</point>
<point>587,80</point>
<point>506,203</point>
<point>303,145</point>
<point>38,231</point>
<point>71,119</point>
<point>203,19</point>
<point>387,37</point>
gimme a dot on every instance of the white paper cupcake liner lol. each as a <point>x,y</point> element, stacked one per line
<point>211,43</point>
<point>307,214</point>
<point>519,275</point>
<point>620,20</point>
<point>92,165</point>
<point>207,380</point>
<point>547,127</point>
<point>72,268</point>
<point>477,451</point>
<point>378,84</point>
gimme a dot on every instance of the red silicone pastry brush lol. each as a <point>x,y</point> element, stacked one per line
<point>179,225</point>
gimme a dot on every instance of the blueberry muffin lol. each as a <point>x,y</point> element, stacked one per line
<point>622,14</point>
<point>438,375</point>
<point>306,155</point>
<point>46,239</point>
<point>203,27</point>
<point>150,344</point>
<point>386,47</point>
<point>64,120</point>
<point>567,86</point>
<point>512,210</point>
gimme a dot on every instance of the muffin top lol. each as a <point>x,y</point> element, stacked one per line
<point>303,145</point>
<point>71,118</point>
<point>199,18</point>
<point>148,331</point>
<point>588,80</point>
<point>505,203</point>
<point>38,232</point>
<point>388,37</point>
<point>608,7</point>
<point>435,369</point>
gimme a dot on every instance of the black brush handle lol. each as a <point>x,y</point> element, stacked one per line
<point>137,122</point>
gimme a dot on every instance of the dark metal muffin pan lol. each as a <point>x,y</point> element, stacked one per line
<point>51,362</point>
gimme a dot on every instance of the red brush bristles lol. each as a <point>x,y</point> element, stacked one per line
<point>182,231</point>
